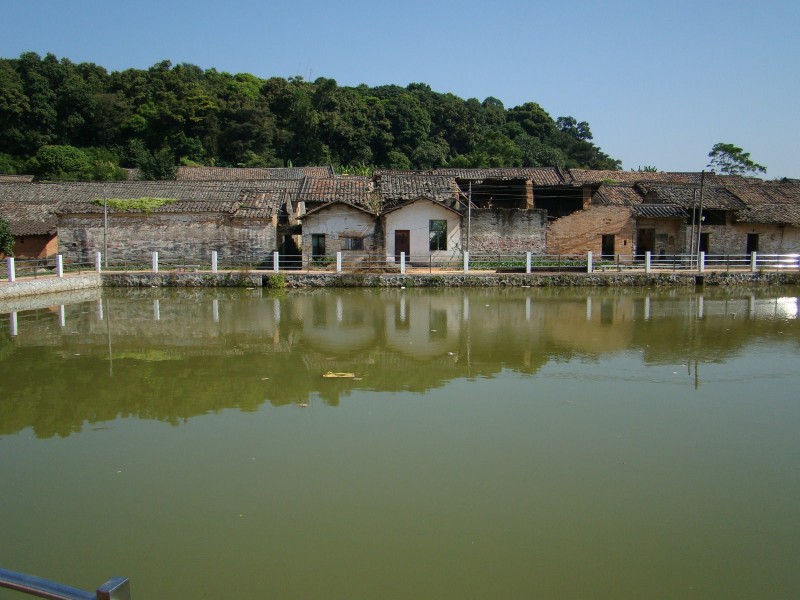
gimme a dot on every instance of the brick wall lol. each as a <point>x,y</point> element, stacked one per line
<point>507,230</point>
<point>582,232</point>
<point>175,237</point>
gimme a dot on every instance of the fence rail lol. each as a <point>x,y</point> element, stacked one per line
<point>116,588</point>
<point>525,262</point>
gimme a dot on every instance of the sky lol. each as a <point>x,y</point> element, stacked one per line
<point>658,82</point>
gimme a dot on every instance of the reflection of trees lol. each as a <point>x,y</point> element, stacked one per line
<point>269,349</point>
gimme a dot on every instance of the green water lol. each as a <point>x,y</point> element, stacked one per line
<point>492,444</point>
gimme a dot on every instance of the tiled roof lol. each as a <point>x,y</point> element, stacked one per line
<point>538,175</point>
<point>396,189</point>
<point>246,174</point>
<point>781,213</point>
<point>687,196</point>
<point>180,206</point>
<point>353,190</point>
<point>584,176</point>
<point>16,178</point>
<point>660,211</point>
<point>29,218</point>
<point>782,192</point>
<point>617,195</point>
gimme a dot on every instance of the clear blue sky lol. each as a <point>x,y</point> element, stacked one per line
<point>659,83</point>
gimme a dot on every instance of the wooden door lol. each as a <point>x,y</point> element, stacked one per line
<point>402,243</point>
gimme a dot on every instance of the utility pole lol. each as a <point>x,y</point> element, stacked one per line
<point>469,213</point>
<point>105,228</point>
<point>694,218</point>
<point>700,216</point>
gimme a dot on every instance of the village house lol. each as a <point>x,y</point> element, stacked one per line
<point>309,215</point>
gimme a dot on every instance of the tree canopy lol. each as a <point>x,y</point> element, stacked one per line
<point>732,160</point>
<point>6,238</point>
<point>59,119</point>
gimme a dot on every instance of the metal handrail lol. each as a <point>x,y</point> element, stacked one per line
<point>116,588</point>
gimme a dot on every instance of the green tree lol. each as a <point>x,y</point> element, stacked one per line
<point>6,238</point>
<point>61,162</point>
<point>732,160</point>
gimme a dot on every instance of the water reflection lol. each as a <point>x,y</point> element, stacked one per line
<point>173,354</point>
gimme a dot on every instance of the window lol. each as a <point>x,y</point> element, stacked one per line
<point>352,243</point>
<point>438,235</point>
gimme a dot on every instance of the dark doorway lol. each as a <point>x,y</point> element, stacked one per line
<point>703,243</point>
<point>608,246</point>
<point>402,243</point>
<point>752,243</point>
<point>290,254</point>
<point>645,242</point>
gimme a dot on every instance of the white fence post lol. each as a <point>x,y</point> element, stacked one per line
<point>402,263</point>
<point>213,261</point>
<point>466,262</point>
<point>12,271</point>
<point>276,262</point>
<point>647,262</point>
<point>339,262</point>
<point>701,265</point>
<point>753,261</point>
<point>589,266</point>
<point>154,261</point>
<point>528,262</point>
<point>59,265</point>
<point>98,262</point>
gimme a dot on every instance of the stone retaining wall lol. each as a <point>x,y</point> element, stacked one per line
<point>255,279</point>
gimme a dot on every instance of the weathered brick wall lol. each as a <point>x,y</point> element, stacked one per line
<point>731,239</point>
<point>582,232</point>
<point>670,235</point>
<point>337,223</point>
<point>507,230</point>
<point>175,237</point>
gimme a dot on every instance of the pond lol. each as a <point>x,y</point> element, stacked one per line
<point>483,443</point>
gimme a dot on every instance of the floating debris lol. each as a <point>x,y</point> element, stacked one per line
<point>332,375</point>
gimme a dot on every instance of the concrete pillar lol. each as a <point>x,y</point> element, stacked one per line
<point>98,262</point>
<point>12,270</point>
<point>701,265</point>
<point>753,261</point>
<point>528,262</point>
<point>59,265</point>
<point>402,263</point>
<point>466,262</point>
<point>154,262</point>
<point>647,268</point>
<point>338,262</point>
<point>214,257</point>
<point>589,266</point>
<point>276,262</point>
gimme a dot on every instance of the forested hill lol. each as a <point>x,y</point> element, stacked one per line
<point>181,114</point>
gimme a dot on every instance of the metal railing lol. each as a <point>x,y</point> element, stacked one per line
<point>116,588</point>
<point>455,262</point>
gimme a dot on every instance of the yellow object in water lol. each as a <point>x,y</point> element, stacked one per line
<point>330,374</point>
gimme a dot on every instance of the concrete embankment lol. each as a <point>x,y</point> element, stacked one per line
<point>248,279</point>
<point>49,285</point>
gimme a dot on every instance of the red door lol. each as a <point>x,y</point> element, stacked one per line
<point>402,243</point>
